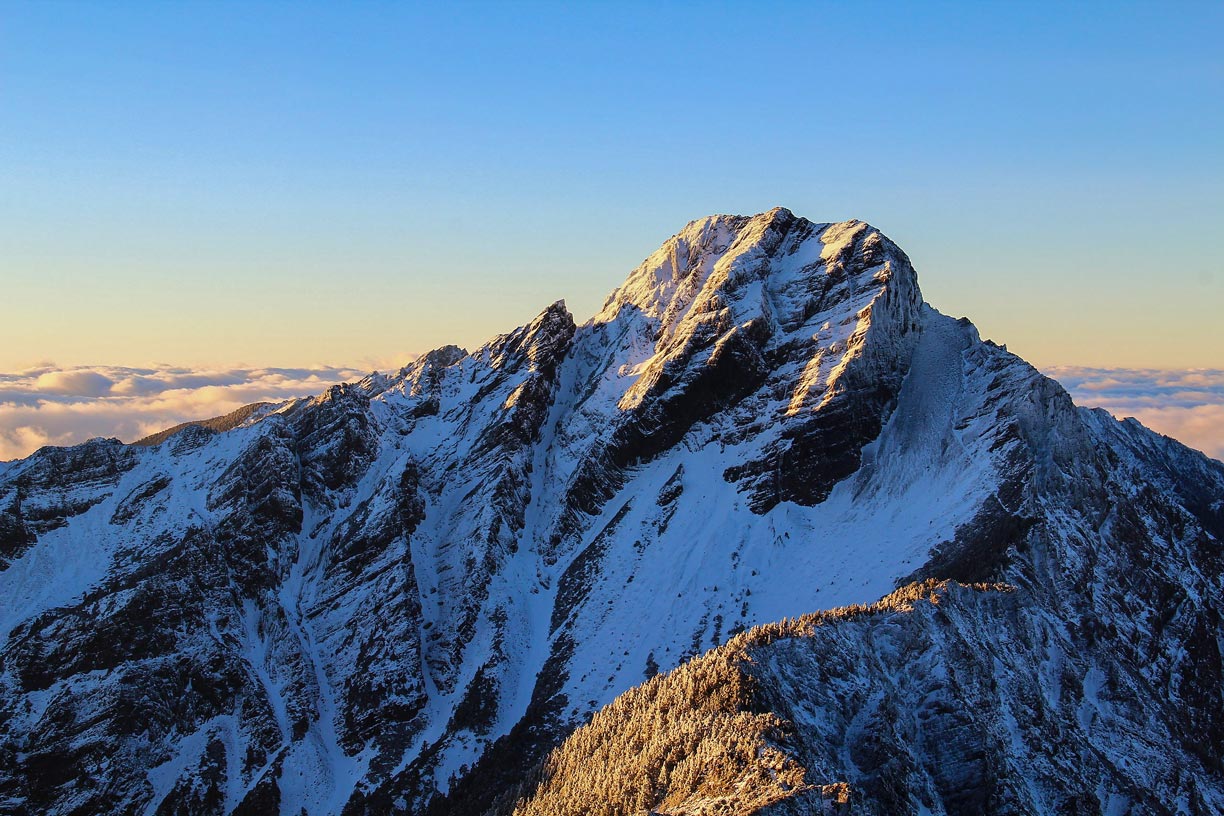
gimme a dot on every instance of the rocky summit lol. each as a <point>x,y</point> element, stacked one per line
<point>580,570</point>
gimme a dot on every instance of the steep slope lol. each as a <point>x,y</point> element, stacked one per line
<point>402,593</point>
<point>1092,684</point>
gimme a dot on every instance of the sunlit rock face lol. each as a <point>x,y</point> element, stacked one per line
<point>401,595</point>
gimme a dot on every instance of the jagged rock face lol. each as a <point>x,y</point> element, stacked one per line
<point>55,485</point>
<point>400,595</point>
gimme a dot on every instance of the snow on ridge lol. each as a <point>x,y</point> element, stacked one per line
<point>664,285</point>
<point>48,405</point>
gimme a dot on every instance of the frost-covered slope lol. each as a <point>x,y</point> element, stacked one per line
<point>406,590</point>
<point>940,699</point>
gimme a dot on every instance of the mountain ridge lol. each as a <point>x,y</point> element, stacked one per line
<point>404,592</point>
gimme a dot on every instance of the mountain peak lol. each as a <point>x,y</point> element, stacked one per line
<point>698,225</point>
<point>774,264</point>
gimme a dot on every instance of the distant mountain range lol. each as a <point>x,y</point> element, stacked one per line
<point>579,570</point>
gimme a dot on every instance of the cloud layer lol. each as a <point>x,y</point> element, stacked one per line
<point>1186,404</point>
<point>54,406</point>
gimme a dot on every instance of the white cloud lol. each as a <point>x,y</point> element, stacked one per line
<point>52,406</point>
<point>1186,404</point>
<point>78,382</point>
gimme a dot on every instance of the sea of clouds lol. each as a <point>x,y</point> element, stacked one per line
<point>49,405</point>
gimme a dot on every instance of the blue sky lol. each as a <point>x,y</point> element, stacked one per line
<point>308,184</point>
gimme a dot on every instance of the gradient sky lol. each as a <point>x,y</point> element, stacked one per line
<point>300,184</point>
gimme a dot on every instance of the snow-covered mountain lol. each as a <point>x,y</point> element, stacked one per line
<point>401,595</point>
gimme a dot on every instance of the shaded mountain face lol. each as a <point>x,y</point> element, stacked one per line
<point>401,595</point>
